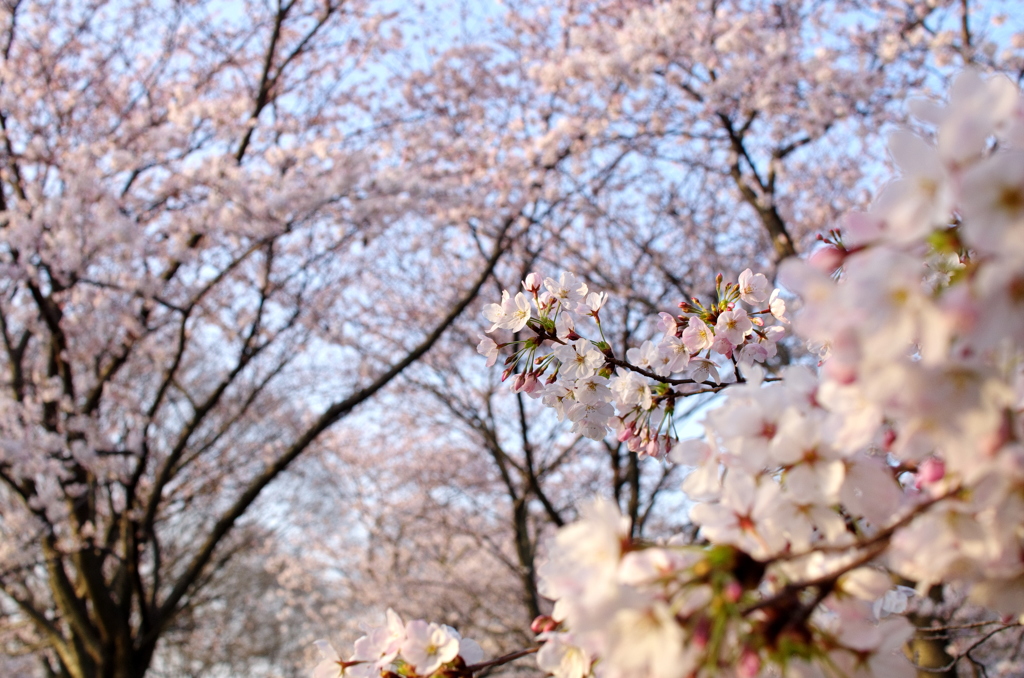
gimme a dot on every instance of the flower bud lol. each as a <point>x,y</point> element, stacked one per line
<point>749,664</point>
<point>532,283</point>
<point>701,634</point>
<point>930,471</point>
<point>733,591</point>
<point>827,259</point>
<point>543,624</point>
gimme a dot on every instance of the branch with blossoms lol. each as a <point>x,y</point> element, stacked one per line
<point>576,376</point>
<point>900,459</point>
<point>413,649</point>
<point>816,490</point>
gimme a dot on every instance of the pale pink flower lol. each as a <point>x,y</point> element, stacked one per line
<point>565,325</point>
<point>561,657</point>
<point>488,348</point>
<point>697,336</point>
<point>567,290</point>
<point>674,354</point>
<point>592,389</point>
<point>744,515</point>
<point>428,646</point>
<point>631,390</point>
<point>511,314</point>
<point>648,642</point>
<point>992,203</point>
<point>579,359</point>
<point>331,664</point>
<point>644,357</point>
<point>532,283</point>
<point>753,287</point>
<point>734,325</point>
<point>777,306</point>
<point>592,305</point>
<point>920,200</point>
<point>667,324</point>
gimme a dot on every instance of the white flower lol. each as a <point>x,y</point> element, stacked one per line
<point>510,314</point>
<point>567,290</point>
<point>428,646</point>
<point>744,517</point>
<point>592,389</point>
<point>673,354</point>
<point>922,199</point>
<point>753,287</point>
<point>590,419</point>
<point>630,389</point>
<point>564,325</point>
<point>593,304</point>
<point>648,643</point>
<point>734,325</point>
<point>496,312</point>
<point>893,602</point>
<point>560,657</point>
<point>556,396</point>
<point>703,370</point>
<point>488,348</point>
<point>470,651</point>
<point>579,359</point>
<point>697,336</point>
<point>644,357</point>
<point>993,205</point>
<point>378,648</point>
<point>331,666</point>
<point>777,306</point>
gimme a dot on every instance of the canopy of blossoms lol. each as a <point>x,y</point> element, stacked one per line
<point>816,489</point>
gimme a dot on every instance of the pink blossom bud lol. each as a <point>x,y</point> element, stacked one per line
<point>931,471</point>
<point>519,382</point>
<point>506,373</point>
<point>532,283</point>
<point>749,664</point>
<point>701,634</point>
<point>841,373</point>
<point>733,591</point>
<point>543,624</point>
<point>827,259</point>
<point>626,433</point>
<point>532,385</point>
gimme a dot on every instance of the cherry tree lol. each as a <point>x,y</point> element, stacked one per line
<point>195,207</point>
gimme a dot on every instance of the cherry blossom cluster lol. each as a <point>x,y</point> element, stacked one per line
<point>626,609</point>
<point>901,456</point>
<point>416,648</point>
<point>581,379</point>
<point>925,341</point>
